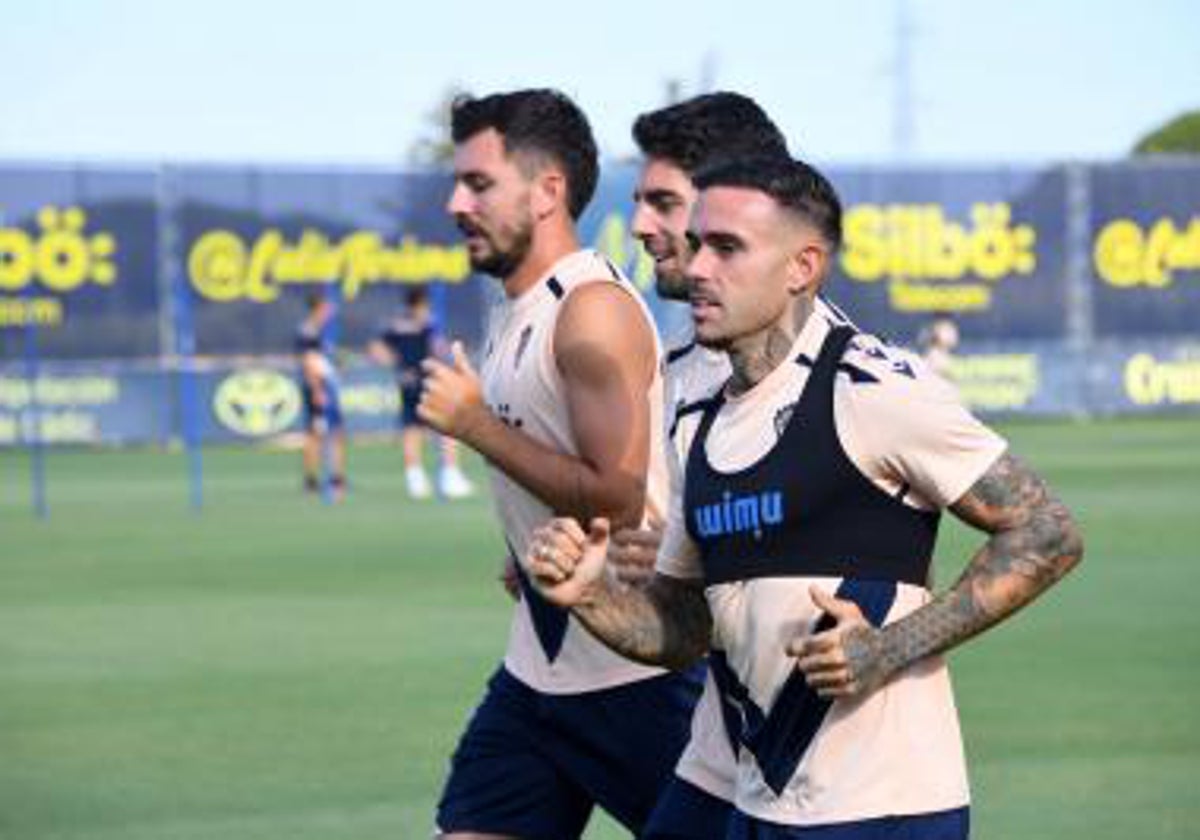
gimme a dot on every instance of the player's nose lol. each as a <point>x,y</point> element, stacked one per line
<point>459,202</point>
<point>700,266</point>
<point>641,225</point>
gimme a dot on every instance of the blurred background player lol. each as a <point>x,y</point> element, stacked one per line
<point>937,342</point>
<point>323,428</point>
<point>407,340</point>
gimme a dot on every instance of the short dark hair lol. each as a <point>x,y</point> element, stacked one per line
<point>794,184</point>
<point>697,132</point>
<point>538,121</point>
<point>416,295</point>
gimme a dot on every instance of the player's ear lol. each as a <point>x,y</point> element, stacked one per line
<point>549,192</point>
<point>806,267</point>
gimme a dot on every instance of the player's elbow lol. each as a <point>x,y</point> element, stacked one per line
<point>1071,543</point>
<point>1060,538</point>
<point>626,502</point>
<point>617,495</point>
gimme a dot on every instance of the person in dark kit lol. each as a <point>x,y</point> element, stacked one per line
<point>406,340</point>
<point>319,388</point>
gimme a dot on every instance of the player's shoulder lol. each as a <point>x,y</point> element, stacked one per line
<point>874,369</point>
<point>585,265</point>
<point>590,287</point>
<point>679,344</point>
<point>698,376</point>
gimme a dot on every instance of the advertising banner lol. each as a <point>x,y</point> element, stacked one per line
<point>1145,249</point>
<point>986,247</point>
<point>78,262</point>
<point>254,244</point>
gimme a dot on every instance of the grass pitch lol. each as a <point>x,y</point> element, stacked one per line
<point>274,668</point>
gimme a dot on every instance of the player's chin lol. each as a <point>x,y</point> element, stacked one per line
<point>670,284</point>
<point>708,335</point>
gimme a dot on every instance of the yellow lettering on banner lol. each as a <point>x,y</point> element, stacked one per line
<point>370,399</point>
<point>264,254</point>
<point>1150,382</point>
<point>60,256</point>
<point>39,311</point>
<point>906,242</point>
<point>995,382</point>
<point>223,267</point>
<point>52,391</point>
<point>56,426</point>
<point>16,259</point>
<point>864,257</point>
<point>217,266</point>
<point>910,297</point>
<point>1126,255</point>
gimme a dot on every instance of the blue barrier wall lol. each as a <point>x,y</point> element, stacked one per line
<point>1076,289</point>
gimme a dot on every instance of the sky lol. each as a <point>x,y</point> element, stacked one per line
<point>353,82</point>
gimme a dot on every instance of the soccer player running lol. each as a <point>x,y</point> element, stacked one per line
<point>799,545</point>
<point>319,389</point>
<point>675,142</point>
<point>406,340</point>
<point>568,413</point>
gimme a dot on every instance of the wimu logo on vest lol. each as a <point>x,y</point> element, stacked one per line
<point>739,514</point>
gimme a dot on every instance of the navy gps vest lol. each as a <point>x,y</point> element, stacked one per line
<point>803,509</point>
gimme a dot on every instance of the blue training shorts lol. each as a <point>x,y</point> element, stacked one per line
<point>410,396</point>
<point>533,765</point>
<point>942,825</point>
<point>331,412</point>
<point>687,812</point>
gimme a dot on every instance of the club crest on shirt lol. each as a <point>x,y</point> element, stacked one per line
<point>782,417</point>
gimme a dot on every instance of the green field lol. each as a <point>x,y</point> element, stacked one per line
<point>274,668</point>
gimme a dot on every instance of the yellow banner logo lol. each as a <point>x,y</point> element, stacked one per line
<point>1127,256</point>
<point>257,403</point>
<point>925,257</point>
<point>224,267</point>
<point>60,256</point>
<point>1150,381</point>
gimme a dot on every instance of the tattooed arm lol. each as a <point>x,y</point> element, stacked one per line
<point>1033,542</point>
<point>665,622</point>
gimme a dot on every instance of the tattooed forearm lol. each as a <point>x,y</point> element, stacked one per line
<point>665,623</point>
<point>752,363</point>
<point>1034,542</point>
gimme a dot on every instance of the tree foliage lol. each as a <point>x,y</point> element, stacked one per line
<point>434,147</point>
<point>1180,136</point>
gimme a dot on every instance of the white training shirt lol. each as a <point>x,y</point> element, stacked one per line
<point>897,751</point>
<point>693,374</point>
<point>522,385</point>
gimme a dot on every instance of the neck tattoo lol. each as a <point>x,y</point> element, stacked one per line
<point>765,351</point>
